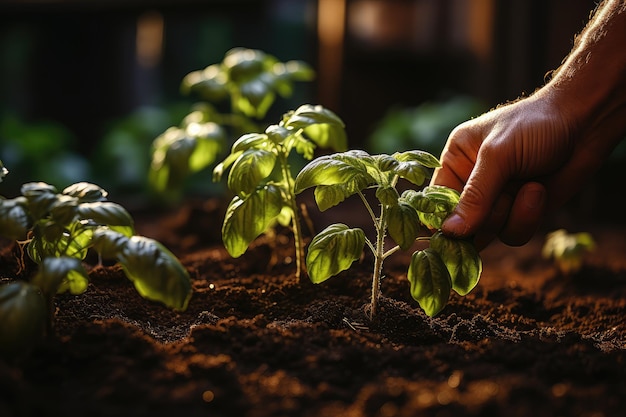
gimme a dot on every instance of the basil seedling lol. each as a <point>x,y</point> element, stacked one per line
<point>567,249</point>
<point>447,264</point>
<point>261,179</point>
<point>58,230</point>
<point>250,79</point>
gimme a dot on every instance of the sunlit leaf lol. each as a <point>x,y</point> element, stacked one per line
<point>433,204</point>
<point>210,83</point>
<point>403,225</point>
<point>40,197</point>
<point>64,209</point>
<point>423,158</point>
<point>247,218</point>
<point>461,259</point>
<point>320,125</point>
<point>333,250</point>
<point>327,196</point>
<point>156,273</point>
<point>430,281</point>
<point>74,242</point>
<point>413,172</point>
<point>14,219</point>
<point>58,275</point>
<point>250,141</point>
<point>255,98</point>
<point>106,213</point>
<point>385,162</point>
<point>86,192</point>
<point>388,195</point>
<point>223,166</point>
<point>248,171</point>
<point>109,243</point>
<point>346,169</point>
<point>210,138</point>
<point>277,134</point>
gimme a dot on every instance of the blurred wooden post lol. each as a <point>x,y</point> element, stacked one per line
<point>330,30</point>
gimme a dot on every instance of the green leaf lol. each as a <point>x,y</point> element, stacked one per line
<point>209,140</point>
<point>320,125</point>
<point>210,83</point>
<point>221,168</point>
<point>461,259</point>
<point>14,219</point>
<point>385,162</point>
<point>249,170</point>
<point>277,134</point>
<point>294,70</point>
<point>388,196</point>
<point>256,98</point>
<point>58,275</point>
<point>250,141</point>
<point>327,196</point>
<point>73,242</point>
<point>40,197</point>
<point>414,172</point>
<point>433,204</point>
<point>106,213</point>
<point>304,147</point>
<point>109,243</point>
<point>64,209</point>
<point>430,281</point>
<point>244,64</point>
<point>346,169</point>
<point>23,318</point>
<point>247,218</point>
<point>86,192</point>
<point>307,115</point>
<point>403,225</point>
<point>333,250</point>
<point>423,158</point>
<point>156,273</point>
<point>171,153</point>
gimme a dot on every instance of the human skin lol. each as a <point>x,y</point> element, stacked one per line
<point>519,160</point>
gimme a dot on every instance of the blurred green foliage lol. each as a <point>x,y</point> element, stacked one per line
<point>39,151</point>
<point>424,127</point>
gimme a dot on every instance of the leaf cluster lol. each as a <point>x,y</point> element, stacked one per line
<point>67,224</point>
<point>260,177</point>
<point>251,80</point>
<point>567,249</point>
<point>447,264</point>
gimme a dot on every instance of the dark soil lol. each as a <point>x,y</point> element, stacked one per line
<point>255,342</point>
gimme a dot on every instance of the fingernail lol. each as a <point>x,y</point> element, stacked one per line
<point>533,198</point>
<point>455,225</point>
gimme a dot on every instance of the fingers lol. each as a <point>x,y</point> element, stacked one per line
<point>525,214</point>
<point>481,199</point>
<point>513,220</point>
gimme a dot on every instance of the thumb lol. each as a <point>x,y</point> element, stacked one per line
<point>479,195</point>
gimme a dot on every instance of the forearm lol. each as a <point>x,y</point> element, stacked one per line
<point>590,86</point>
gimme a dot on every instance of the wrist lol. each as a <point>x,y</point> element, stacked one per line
<point>589,89</point>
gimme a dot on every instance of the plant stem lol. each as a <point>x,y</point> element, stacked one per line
<point>295,220</point>
<point>379,257</point>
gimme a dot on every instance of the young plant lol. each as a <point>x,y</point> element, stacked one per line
<point>58,230</point>
<point>261,179</point>
<point>447,264</point>
<point>250,79</point>
<point>567,249</point>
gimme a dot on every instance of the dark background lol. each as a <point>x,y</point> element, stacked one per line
<point>74,63</point>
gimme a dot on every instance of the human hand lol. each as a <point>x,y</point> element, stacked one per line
<point>512,164</point>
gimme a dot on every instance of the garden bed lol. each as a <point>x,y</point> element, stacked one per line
<point>255,342</point>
